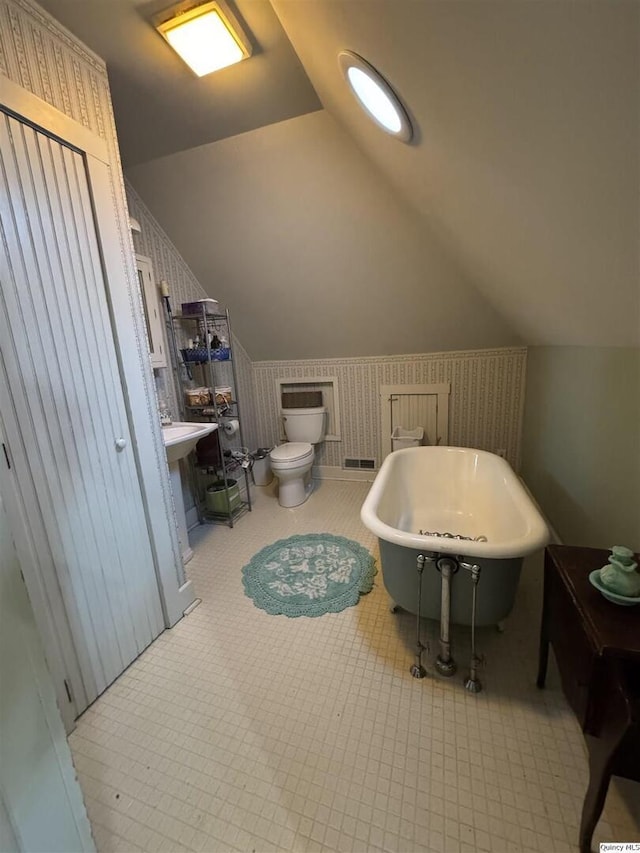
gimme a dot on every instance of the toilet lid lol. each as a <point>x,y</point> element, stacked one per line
<point>291,451</point>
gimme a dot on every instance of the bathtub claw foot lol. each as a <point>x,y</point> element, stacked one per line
<point>418,671</point>
<point>446,667</point>
<point>393,607</point>
<point>500,626</point>
<point>473,685</point>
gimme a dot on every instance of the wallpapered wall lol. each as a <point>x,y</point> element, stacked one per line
<point>487,386</point>
<point>485,407</point>
<point>184,287</point>
<point>38,55</point>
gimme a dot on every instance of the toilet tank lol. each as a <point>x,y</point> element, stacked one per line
<point>304,424</point>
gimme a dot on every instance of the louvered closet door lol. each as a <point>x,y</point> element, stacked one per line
<point>64,416</point>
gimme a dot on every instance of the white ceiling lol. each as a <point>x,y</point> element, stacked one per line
<point>528,144</point>
<point>524,173</point>
<point>311,250</point>
<point>160,106</point>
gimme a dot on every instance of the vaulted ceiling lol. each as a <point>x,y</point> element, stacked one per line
<point>160,106</point>
<point>528,152</point>
<point>512,217</point>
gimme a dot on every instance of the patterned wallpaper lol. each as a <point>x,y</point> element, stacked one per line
<point>485,408</point>
<point>168,264</point>
<point>487,386</point>
<point>37,54</point>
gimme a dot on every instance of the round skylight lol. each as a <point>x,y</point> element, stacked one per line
<point>375,95</point>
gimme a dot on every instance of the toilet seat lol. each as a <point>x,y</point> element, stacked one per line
<point>295,451</point>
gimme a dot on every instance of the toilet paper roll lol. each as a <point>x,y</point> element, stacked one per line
<point>231,427</point>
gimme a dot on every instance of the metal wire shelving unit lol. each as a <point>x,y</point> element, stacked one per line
<point>213,368</point>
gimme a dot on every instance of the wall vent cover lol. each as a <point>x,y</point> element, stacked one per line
<point>360,464</point>
<point>301,399</point>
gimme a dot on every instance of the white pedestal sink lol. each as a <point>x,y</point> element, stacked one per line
<point>179,441</point>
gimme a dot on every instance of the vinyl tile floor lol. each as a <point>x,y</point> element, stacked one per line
<point>237,730</point>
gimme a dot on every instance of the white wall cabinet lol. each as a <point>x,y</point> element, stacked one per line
<point>152,309</point>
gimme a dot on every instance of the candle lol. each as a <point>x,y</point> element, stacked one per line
<point>164,288</point>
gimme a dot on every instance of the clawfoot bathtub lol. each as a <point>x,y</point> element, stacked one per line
<point>420,498</point>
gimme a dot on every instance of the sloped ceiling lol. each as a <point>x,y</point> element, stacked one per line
<point>513,217</point>
<point>526,163</point>
<point>294,230</point>
<point>160,106</point>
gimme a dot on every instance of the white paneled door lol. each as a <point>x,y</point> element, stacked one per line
<point>64,419</point>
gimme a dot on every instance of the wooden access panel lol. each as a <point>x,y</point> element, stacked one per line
<point>411,406</point>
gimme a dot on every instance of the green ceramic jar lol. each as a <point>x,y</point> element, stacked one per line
<point>620,575</point>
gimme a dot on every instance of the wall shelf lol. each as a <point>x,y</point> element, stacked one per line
<point>211,372</point>
<point>328,387</point>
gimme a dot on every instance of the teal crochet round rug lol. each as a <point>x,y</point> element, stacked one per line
<point>309,575</point>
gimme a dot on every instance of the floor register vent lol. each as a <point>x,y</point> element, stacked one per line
<point>360,464</point>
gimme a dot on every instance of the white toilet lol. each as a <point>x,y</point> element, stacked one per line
<point>291,462</point>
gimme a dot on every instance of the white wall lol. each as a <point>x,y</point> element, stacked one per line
<point>314,254</point>
<point>41,806</point>
<point>581,445</point>
<point>38,55</point>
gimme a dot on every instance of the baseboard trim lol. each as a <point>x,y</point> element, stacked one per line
<point>334,472</point>
<point>192,606</point>
<point>186,598</point>
<point>191,516</point>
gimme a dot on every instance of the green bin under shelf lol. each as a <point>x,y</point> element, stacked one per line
<point>216,499</point>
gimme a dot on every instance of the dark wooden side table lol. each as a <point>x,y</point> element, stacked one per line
<point>597,647</point>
